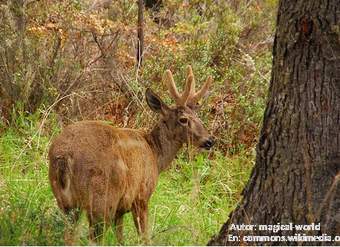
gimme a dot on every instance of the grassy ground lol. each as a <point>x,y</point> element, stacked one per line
<point>191,201</point>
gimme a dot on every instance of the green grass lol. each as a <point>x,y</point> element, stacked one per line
<point>191,202</point>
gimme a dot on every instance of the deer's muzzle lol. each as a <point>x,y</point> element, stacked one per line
<point>207,144</point>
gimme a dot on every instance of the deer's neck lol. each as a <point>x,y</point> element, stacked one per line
<point>164,145</point>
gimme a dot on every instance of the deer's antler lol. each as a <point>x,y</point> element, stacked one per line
<point>189,96</point>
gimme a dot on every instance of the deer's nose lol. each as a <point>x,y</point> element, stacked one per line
<point>209,143</point>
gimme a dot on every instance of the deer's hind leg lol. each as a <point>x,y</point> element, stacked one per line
<point>96,229</point>
<point>140,218</point>
<point>72,217</point>
<point>101,215</point>
<point>119,221</point>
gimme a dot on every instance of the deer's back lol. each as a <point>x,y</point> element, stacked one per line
<point>105,165</point>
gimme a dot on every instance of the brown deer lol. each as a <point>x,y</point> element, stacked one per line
<point>107,171</point>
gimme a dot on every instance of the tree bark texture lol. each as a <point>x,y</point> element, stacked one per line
<point>296,178</point>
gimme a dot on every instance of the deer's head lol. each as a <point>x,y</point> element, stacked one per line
<point>181,120</point>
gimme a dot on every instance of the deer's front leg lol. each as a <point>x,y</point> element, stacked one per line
<point>140,217</point>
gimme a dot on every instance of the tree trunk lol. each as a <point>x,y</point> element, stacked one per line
<point>296,178</point>
<point>140,33</point>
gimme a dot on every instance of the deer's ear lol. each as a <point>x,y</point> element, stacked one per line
<point>155,103</point>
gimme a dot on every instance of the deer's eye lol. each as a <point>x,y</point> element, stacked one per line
<point>183,121</point>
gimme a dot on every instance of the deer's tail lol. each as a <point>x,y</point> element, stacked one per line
<point>63,172</point>
<point>60,177</point>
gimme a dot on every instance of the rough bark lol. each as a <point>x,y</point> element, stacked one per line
<point>296,178</point>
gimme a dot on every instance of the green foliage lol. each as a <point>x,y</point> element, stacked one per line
<point>231,44</point>
<point>28,214</point>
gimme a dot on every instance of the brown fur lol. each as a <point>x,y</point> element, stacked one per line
<point>109,171</point>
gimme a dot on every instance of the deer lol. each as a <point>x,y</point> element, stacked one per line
<point>106,171</point>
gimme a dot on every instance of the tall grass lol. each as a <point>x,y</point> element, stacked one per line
<point>191,201</point>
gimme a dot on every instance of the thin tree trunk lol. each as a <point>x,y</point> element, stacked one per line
<point>140,33</point>
<point>296,178</point>
<point>16,55</point>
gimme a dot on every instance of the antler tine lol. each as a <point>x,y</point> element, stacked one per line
<point>189,94</point>
<point>188,90</point>
<point>170,83</point>
<point>197,96</point>
<point>190,73</point>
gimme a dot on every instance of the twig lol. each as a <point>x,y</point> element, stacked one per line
<point>140,32</point>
